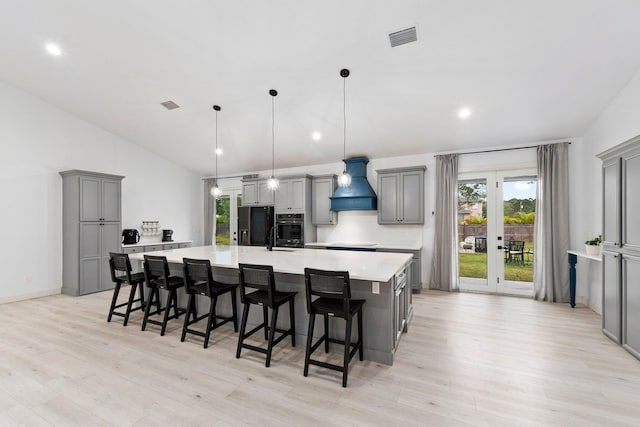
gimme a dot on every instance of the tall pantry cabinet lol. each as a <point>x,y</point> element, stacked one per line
<point>91,221</point>
<point>621,245</point>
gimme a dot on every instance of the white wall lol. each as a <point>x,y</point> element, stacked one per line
<point>616,124</point>
<point>37,141</point>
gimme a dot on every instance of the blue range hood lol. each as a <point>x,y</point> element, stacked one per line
<point>359,196</point>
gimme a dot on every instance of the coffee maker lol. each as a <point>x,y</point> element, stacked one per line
<point>130,236</point>
<point>167,235</point>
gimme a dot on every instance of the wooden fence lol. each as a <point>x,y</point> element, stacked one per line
<point>511,231</point>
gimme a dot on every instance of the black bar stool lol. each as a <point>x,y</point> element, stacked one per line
<point>198,280</point>
<point>156,272</point>
<point>333,289</point>
<point>261,278</point>
<point>121,275</point>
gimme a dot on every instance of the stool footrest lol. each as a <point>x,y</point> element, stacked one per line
<point>338,368</point>
<point>173,316</point>
<point>354,346</point>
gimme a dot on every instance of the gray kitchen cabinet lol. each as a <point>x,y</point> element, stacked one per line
<point>611,292</point>
<point>133,250</point>
<point>401,195</point>
<point>91,229</point>
<point>159,246</point>
<point>631,304</point>
<point>99,198</point>
<point>256,192</point>
<point>322,188</point>
<point>292,194</point>
<point>415,268</point>
<point>90,257</point>
<point>621,244</point>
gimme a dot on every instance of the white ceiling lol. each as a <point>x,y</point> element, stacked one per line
<point>530,71</point>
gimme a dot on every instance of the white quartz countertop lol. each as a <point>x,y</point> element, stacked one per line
<point>377,246</point>
<point>369,266</point>
<point>142,244</point>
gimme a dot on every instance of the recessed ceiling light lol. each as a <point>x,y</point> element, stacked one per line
<point>53,49</point>
<point>464,113</point>
<point>219,151</point>
<point>317,136</point>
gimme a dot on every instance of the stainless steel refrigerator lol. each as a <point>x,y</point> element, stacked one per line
<point>254,225</point>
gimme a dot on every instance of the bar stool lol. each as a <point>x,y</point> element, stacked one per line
<point>120,267</point>
<point>198,280</point>
<point>333,289</point>
<point>261,278</point>
<point>156,272</point>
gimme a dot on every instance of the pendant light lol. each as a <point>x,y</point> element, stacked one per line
<point>215,191</point>
<point>273,183</point>
<point>344,180</point>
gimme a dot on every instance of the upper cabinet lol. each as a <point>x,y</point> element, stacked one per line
<point>322,188</point>
<point>256,192</point>
<point>99,198</point>
<point>293,195</point>
<point>401,195</point>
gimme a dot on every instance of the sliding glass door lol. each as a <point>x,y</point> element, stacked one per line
<point>495,231</point>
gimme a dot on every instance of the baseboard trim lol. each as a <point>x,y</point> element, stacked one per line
<point>32,295</point>
<point>587,302</point>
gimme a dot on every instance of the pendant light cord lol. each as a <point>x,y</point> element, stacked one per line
<point>273,139</point>
<point>216,152</point>
<point>344,118</point>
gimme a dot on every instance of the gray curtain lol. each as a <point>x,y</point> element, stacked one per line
<point>209,211</point>
<point>551,236</point>
<point>444,272</point>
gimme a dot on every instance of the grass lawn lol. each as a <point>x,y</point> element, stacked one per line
<point>475,265</point>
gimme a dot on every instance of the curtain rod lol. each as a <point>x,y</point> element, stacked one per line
<point>497,149</point>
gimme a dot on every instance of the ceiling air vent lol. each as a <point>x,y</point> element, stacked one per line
<point>408,35</point>
<point>169,105</point>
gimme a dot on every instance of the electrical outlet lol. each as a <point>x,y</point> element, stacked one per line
<point>375,287</point>
<point>28,280</point>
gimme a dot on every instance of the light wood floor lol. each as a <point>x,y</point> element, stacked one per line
<point>468,360</point>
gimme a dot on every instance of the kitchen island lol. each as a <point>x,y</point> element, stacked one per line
<point>379,278</point>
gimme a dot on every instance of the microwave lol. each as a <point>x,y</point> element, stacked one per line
<point>290,230</point>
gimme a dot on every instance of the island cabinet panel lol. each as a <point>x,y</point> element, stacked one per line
<point>631,304</point>
<point>322,188</point>
<point>91,229</point>
<point>401,196</point>
<point>621,244</point>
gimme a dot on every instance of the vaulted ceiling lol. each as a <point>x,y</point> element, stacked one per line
<point>528,71</point>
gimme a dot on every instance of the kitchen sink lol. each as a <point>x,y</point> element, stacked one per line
<point>283,250</point>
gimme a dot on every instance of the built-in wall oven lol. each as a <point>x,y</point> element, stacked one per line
<point>290,230</point>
